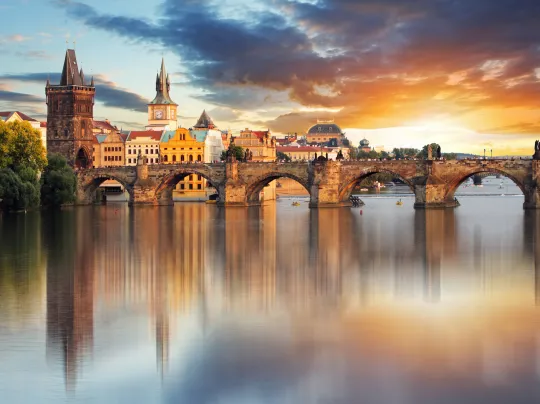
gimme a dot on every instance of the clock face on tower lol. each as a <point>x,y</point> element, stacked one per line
<point>159,114</point>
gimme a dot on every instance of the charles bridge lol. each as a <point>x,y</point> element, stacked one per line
<point>329,183</point>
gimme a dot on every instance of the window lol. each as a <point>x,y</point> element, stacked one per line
<point>190,186</point>
<point>199,186</point>
<point>182,157</point>
<point>199,177</point>
<point>165,158</point>
<point>151,151</point>
<point>174,157</point>
<point>199,158</point>
<point>182,186</point>
<point>190,157</point>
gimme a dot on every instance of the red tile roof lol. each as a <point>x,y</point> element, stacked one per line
<point>103,125</point>
<point>24,117</point>
<point>153,134</point>
<point>292,149</point>
<point>260,133</point>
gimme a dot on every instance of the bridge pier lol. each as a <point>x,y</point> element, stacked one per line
<point>433,196</point>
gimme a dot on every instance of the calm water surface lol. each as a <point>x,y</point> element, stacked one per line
<point>196,304</point>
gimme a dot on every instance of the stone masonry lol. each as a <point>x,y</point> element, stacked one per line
<point>329,184</point>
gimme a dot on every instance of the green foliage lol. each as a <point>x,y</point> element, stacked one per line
<point>21,146</point>
<point>58,182</point>
<point>238,153</point>
<point>405,153</point>
<point>18,190</point>
<point>282,156</point>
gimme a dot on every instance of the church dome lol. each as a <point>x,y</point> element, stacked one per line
<point>324,128</point>
<point>364,142</point>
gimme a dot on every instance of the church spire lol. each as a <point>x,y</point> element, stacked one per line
<point>163,85</point>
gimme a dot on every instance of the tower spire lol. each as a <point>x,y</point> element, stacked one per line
<point>162,87</point>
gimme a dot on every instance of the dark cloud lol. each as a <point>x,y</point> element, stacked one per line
<point>107,92</point>
<point>11,96</point>
<point>381,61</point>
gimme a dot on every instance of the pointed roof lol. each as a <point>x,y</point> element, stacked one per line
<point>205,121</point>
<point>70,72</point>
<point>163,86</point>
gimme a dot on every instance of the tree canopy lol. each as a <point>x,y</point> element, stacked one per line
<point>22,157</point>
<point>20,145</point>
<point>283,156</point>
<point>238,153</point>
<point>58,182</point>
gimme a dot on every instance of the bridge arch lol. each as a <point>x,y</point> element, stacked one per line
<point>256,186</point>
<point>346,189</point>
<point>459,180</point>
<point>90,186</point>
<point>164,190</point>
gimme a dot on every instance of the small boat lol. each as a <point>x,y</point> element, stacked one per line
<point>211,202</point>
<point>399,203</point>
<point>296,203</point>
<point>364,189</point>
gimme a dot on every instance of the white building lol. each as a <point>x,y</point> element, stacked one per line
<point>144,142</point>
<point>14,116</point>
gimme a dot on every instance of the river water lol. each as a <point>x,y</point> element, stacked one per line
<point>279,304</point>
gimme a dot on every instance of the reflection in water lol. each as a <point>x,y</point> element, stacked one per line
<point>193,303</point>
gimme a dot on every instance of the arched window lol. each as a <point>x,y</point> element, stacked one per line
<point>182,157</point>
<point>165,158</point>
<point>174,157</point>
<point>190,157</point>
<point>199,158</point>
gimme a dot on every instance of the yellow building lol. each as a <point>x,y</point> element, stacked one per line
<point>260,143</point>
<point>180,146</point>
<point>108,150</point>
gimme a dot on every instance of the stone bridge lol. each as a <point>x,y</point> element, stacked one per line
<point>329,184</point>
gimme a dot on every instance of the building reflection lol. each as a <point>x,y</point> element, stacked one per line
<point>202,261</point>
<point>70,239</point>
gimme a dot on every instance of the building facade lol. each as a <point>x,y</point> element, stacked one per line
<point>261,143</point>
<point>147,143</point>
<point>109,150</point>
<point>324,132</point>
<point>70,111</point>
<point>162,109</point>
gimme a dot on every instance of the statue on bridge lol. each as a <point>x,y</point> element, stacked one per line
<point>340,156</point>
<point>140,159</point>
<point>536,155</point>
<point>439,154</point>
<point>429,152</point>
<point>230,155</point>
<point>248,155</point>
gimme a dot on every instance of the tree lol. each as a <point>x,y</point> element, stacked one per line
<point>282,156</point>
<point>58,182</point>
<point>18,191</point>
<point>22,145</point>
<point>238,153</point>
<point>404,153</point>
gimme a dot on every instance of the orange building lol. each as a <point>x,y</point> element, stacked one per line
<point>260,143</point>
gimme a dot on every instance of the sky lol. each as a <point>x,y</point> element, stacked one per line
<point>402,73</point>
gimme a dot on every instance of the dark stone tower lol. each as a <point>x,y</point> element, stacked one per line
<point>70,113</point>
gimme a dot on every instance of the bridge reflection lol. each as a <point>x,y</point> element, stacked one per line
<point>195,261</point>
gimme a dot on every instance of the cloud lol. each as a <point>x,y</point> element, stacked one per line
<point>224,114</point>
<point>381,62</point>
<point>35,54</point>
<point>16,38</point>
<point>107,92</point>
<point>14,97</point>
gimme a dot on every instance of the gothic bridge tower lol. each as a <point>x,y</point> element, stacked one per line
<point>70,113</point>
